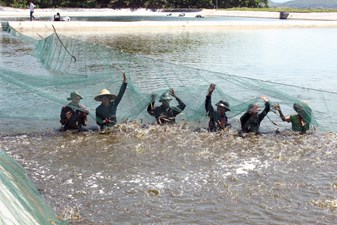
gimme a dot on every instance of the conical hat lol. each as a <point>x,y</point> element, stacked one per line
<point>106,93</point>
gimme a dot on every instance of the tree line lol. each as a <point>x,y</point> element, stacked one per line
<point>134,4</point>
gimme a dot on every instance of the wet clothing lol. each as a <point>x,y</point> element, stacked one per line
<point>251,123</point>
<point>104,113</point>
<point>216,122</point>
<point>296,124</point>
<point>165,115</point>
<point>78,118</point>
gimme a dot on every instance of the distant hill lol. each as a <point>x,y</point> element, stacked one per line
<point>313,4</point>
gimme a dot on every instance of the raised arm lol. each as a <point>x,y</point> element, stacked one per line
<point>208,102</point>
<point>121,90</point>
<point>266,108</point>
<point>277,107</point>
<point>181,106</point>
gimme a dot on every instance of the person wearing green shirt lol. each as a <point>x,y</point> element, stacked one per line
<point>299,122</point>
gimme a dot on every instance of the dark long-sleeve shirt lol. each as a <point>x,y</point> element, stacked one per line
<point>251,123</point>
<point>109,112</point>
<point>77,119</point>
<point>165,115</point>
<point>216,121</point>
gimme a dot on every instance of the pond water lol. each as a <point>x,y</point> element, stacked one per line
<point>149,174</point>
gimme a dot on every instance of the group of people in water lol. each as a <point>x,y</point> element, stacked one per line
<point>74,116</point>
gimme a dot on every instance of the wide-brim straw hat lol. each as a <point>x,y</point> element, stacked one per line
<point>73,95</point>
<point>223,104</point>
<point>105,93</point>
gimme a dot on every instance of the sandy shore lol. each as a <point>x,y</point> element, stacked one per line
<point>299,20</point>
<point>12,12</point>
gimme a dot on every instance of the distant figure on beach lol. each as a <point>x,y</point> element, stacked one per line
<point>106,111</point>
<point>165,114</point>
<point>218,119</point>
<point>251,120</point>
<point>57,17</point>
<point>299,122</point>
<point>31,10</point>
<point>73,115</point>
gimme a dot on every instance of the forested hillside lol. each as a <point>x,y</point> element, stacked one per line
<point>317,4</point>
<point>154,4</point>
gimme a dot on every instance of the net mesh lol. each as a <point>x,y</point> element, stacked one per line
<point>20,202</point>
<point>72,64</point>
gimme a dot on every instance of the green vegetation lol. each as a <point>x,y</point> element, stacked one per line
<point>151,4</point>
<point>242,5</point>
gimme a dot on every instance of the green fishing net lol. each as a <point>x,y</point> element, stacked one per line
<point>69,64</point>
<point>20,202</point>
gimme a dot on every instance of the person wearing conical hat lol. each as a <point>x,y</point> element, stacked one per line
<point>73,115</point>
<point>218,119</point>
<point>165,113</point>
<point>299,122</point>
<point>251,120</point>
<point>106,111</point>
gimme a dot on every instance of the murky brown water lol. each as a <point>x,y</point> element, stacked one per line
<point>174,175</point>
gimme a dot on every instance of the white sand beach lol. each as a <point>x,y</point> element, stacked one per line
<point>13,12</point>
<point>299,20</point>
